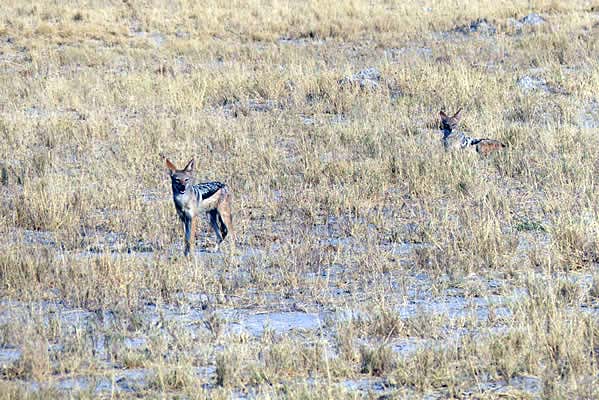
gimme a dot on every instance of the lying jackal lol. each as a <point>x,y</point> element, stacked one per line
<point>452,138</point>
<point>191,199</point>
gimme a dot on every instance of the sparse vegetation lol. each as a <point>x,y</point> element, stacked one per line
<point>369,262</point>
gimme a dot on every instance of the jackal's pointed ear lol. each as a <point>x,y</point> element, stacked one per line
<point>171,167</point>
<point>189,166</point>
<point>458,115</point>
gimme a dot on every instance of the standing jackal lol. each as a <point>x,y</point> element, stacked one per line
<point>452,138</point>
<point>191,199</point>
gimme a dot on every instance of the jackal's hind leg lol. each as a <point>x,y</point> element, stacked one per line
<point>213,215</point>
<point>223,227</point>
<point>225,217</point>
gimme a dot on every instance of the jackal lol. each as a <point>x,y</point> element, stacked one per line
<point>452,138</point>
<point>213,198</point>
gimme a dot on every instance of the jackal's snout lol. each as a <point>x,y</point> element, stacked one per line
<point>180,184</point>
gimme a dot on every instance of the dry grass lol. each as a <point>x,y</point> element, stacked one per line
<point>369,261</point>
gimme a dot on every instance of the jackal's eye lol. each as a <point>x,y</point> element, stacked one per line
<point>186,180</point>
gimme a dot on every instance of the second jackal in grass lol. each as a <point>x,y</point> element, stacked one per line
<point>453,138</point>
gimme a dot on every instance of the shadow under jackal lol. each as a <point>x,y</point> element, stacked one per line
<point>454,139</point>
<point>213,198</point>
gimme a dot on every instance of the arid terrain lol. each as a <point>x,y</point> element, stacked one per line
<point>369,262</point>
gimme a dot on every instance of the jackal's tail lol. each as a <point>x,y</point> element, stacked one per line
<point>489,142</point>
<point>474,142</point>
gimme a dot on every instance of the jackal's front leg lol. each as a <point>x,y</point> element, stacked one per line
<point>189,235</point>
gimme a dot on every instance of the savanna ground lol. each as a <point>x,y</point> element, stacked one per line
<point>369,262</point>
